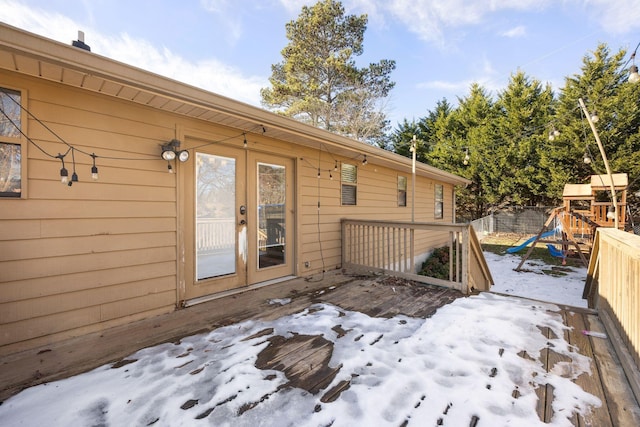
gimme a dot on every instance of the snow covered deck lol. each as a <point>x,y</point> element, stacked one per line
<point>342,350</point>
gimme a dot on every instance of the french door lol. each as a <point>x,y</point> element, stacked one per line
<point>239,220</point>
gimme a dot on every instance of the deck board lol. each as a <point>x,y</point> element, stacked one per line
<point>304,359</point>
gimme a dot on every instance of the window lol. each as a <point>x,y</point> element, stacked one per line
<point>402,191</point>
<point>349,180</point>
<point>11,152</point>
<point>439,202</point>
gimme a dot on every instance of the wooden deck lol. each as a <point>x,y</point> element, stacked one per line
<point>376,296</point>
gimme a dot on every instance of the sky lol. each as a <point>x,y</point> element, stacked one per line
<point>440,46</point>
<point>435,371</point>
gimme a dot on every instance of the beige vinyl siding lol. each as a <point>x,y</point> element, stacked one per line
<point>377,199</point>
<point>77,259</point>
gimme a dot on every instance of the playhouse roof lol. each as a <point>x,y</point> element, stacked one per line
<point>579,191</point>
<point>602,182</point>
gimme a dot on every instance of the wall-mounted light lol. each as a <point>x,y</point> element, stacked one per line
<point>364,161</point>
<point>170,151</point>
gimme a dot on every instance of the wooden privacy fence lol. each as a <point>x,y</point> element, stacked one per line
<point>395,248</point>
<point>613,287</point>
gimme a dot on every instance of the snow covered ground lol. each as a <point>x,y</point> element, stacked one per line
<point>464,362</point>
<point>537,282</point>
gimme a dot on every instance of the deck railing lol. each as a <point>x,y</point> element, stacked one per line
<point>613,287</point>
<point>214,234</point>
<point>399,248</point>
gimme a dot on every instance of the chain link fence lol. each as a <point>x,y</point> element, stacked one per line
<point>516,220</point>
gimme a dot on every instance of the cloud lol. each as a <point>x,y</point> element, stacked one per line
<point>430,20</point>
<point>208,74</point>
<point>488,78</point>
<point>515,32</point>
<point>615,16</point>
<point>229,17</point>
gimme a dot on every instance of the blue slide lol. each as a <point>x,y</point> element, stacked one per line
<point>515,249</point>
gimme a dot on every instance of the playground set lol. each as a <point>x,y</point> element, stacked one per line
<point>570,228</point>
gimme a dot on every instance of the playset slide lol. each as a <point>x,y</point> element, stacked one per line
<point>514,249</point>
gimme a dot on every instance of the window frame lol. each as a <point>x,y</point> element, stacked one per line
<point>402,192</point>
<point>18,140</point>
<point>438,212</point>
<point>351,184</point>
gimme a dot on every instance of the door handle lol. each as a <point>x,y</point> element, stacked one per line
<point>243,222</point>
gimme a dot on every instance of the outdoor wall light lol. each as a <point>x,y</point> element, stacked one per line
<point>170,151</point>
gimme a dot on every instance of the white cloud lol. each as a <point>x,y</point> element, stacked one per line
<point>209,74</point>
<point>429,19</point>
<point>515,32</point>
<point>615,16</point>
<point>230,17</point>
<point>293,7</point>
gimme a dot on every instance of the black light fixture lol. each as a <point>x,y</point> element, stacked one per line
<point>364,161</point>
<point>94,168</point>
<point>64,173</point>
<point>74,175</point>
<point>170,151</point>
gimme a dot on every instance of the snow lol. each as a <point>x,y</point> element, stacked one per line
<point>465,361</point>
<point>536,282</point>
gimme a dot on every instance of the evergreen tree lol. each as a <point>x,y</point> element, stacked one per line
<point>318,81</point>
<point>401,139</point>
<point>523,108</point>
<point>606,92</point>
<point>462,146</point>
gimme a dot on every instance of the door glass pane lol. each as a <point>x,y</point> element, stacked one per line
<point>271,215</point>
<point>215,216</point>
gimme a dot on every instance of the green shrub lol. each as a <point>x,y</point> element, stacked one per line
<point>437,265</point>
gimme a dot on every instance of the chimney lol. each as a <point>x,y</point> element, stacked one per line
<point>80,42</point>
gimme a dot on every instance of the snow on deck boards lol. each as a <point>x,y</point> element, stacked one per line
<point>319,346</point>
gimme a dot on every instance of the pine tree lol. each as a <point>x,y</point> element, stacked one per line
<point>603,87</point>
<point>523,108</point>
<point>318,81</point>
<point>462,142</point>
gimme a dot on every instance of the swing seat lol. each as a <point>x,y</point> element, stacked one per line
<point>555,252</point>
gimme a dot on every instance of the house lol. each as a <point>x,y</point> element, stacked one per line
<point>127,195</point>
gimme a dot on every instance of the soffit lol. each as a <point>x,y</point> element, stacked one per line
<point>33,55</point>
